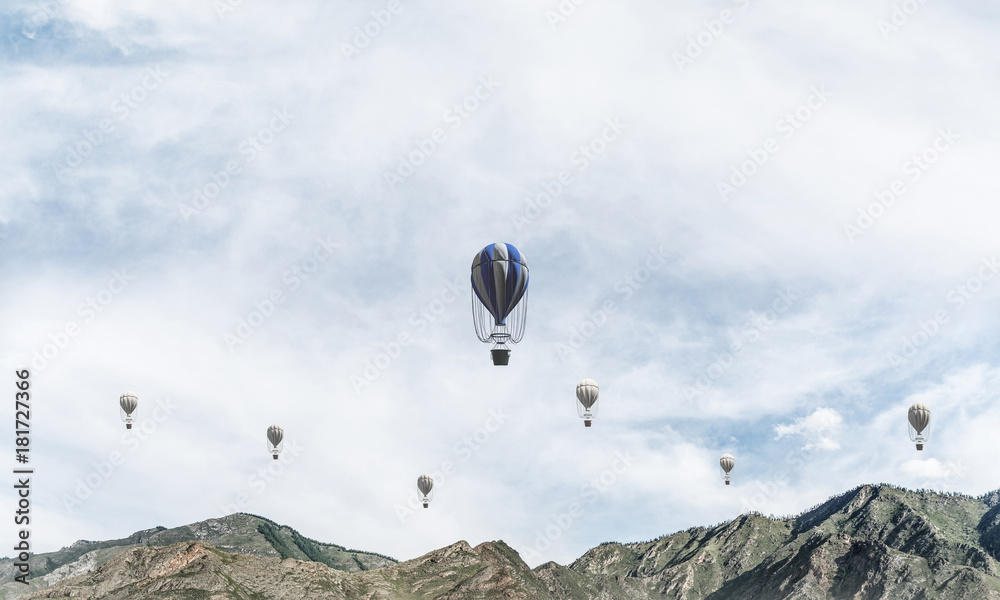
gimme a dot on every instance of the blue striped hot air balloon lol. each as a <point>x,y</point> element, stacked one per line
<point>499,298</point>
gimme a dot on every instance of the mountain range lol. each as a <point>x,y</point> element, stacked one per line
<point>873,542</point>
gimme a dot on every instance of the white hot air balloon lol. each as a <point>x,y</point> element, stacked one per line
<point>586,396</point>
<point>128,403</point>
<point>425,483</point>
<point>275,435</point>
<point>919,418</point>
<point>726,463</point>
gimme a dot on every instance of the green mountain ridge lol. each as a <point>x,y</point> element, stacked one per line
<point>872,542</point>
<point>240,533</point>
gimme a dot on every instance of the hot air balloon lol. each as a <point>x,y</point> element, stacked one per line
<point>727,462</point>
<point>499,298</point>
<point>275,435</point>
<point>586,395</point>
<point>919,417</point>
<point>127,403</point>
<point>425,483</point>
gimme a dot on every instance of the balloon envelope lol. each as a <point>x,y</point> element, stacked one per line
<point>919,417</point>
<point>128,402</point>
<point>586,393</point>
<point>425,483</point>
<point>727,462</point>
<point>275,434</point>
<point>499,279</point>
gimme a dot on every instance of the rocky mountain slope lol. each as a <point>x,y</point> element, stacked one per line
<point>870,543</point>
<point>237,533</point>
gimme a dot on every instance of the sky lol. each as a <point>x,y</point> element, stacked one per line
<point>764,228</point>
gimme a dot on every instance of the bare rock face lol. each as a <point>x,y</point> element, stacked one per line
<point>490,570</point>
<point>84,564</point>
<point>197,570</point>
<point>874,542</point>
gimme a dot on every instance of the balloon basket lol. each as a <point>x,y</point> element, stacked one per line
<point>920,446</point>
<point>501,356</point>
<point>128,426</point>
<point>425,505</point>
<point>274,456</point>
<point>586,423</point>
<point>727,483</point>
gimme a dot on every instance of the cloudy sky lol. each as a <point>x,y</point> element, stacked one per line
<point>765,228</point>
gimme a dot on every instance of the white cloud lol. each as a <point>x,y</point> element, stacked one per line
<point>820,428</point>
<point>932,468</point>
<point>708,312</point>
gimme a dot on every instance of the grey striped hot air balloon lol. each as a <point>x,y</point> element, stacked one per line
<point>727,462</point>
<point>586,396</point>
<point>425,483</point>
<point>128,403</point>
<point>919,417</point>
<point>275,435</point>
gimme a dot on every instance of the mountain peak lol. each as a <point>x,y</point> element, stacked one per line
<point>874,541</point>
